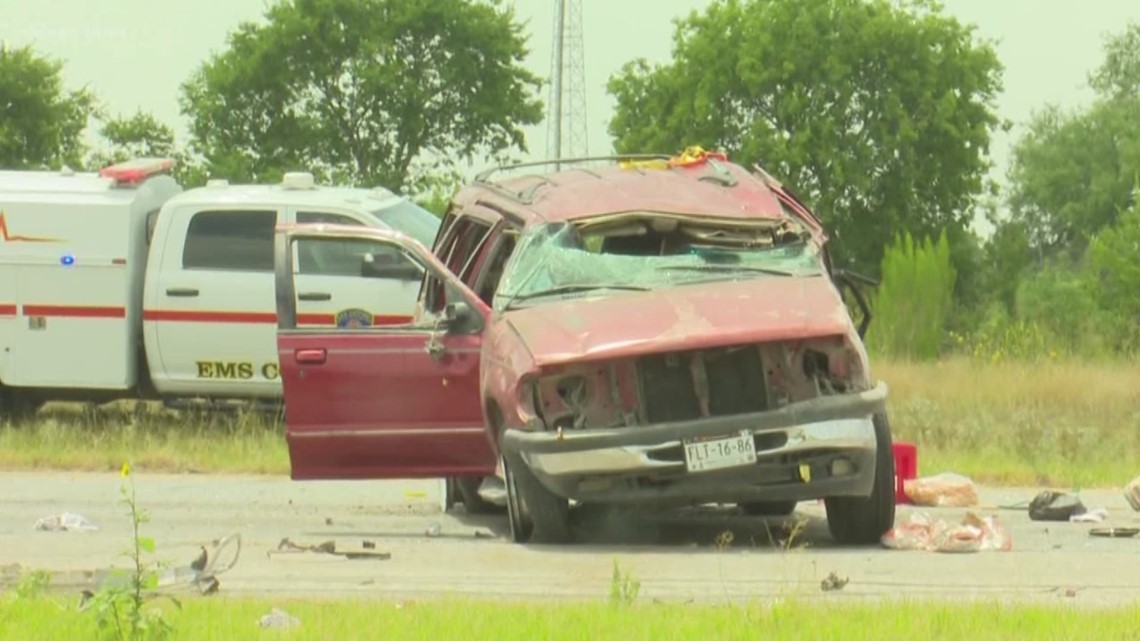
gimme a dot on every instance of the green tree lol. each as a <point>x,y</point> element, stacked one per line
<point>41,123</point>
<point>1006,257</point>
<point>1119,75</point>
<point>374,92</point>
<point>878,113</point>
<point>1114,258</point>
<point>143,135</point>
<point>914,300</point>
<point>1072,173</point>
<point>1060,298</point>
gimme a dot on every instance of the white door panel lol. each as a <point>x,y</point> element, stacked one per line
<point>213,310</point>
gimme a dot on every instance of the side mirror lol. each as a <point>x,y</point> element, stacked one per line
<point>391,266</point>
<point>457,317</point>
<point>456,313</point>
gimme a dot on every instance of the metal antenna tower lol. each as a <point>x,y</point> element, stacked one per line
<point>566,108</point>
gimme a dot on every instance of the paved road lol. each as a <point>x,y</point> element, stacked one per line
<point>673,556</point>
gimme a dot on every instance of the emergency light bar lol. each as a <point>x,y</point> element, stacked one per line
<point>137,170</point>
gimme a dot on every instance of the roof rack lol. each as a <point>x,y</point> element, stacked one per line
<point>482,176</point>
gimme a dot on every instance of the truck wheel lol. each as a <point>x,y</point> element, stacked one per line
<point>468,488</point>
<point>536,514</point>
<point>17,407</point>
<point>768,508</point>
<point>857,520</point>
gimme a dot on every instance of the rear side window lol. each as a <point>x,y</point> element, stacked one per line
<point>230,241</point>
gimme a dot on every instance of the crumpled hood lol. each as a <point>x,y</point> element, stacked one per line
<point>687,317</point>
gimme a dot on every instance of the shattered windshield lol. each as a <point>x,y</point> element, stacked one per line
<point>643,253</point>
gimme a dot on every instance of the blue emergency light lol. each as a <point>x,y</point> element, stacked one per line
<point>67,260</point>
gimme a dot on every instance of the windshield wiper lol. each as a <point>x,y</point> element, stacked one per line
<point>727,268</point>
<point>569,289</point>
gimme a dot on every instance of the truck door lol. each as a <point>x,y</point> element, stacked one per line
<point>381,401</point>
<point>330,291</point>
<point>209,308</point>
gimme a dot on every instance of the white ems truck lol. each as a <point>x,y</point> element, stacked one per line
<point>121,284</point>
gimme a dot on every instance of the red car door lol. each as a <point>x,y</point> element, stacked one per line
<point>377,402</point>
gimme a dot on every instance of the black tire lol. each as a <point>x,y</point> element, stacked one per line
<point>768,508</point>
<point>855,520</point>
<point>449,499</point>
<point>536,514</point>
<point>17,407</point>
<point>520,525</point>
<point>468,488</point>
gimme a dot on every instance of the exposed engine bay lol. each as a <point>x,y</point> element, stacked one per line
<point>690,385</point>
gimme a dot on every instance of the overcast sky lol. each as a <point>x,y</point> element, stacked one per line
<point>135,53</point>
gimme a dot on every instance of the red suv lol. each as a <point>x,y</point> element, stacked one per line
<point>652,330</point>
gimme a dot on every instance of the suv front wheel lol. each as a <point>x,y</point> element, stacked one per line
<point>858,520</point>
<point>536,514</point>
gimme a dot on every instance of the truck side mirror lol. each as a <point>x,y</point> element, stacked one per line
<point>389,265</point>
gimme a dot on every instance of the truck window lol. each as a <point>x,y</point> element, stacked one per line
<point>230,241</point>
<point>341,257</point>
<point>329,257</point>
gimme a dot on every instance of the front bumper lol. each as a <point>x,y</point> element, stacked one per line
<point>812,449</point>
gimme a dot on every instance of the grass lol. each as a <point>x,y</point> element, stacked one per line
<point>1052,423</point>
<point>1056,423</point>
<point>203,619</point>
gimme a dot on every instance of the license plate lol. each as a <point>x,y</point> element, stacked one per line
<point>717,453</point>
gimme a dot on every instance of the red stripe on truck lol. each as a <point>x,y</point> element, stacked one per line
<point>75,311</point>
<point>259,318</point>
<point>7,310</point>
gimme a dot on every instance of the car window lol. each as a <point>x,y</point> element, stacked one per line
<point>343,256</point>
<point>409,218</point>
<point>458,252</point>
<point>487,281</point>
<point>230,241</point>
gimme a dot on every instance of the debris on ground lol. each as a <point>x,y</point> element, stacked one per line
<point>1051,505</point>
<point>1115,532</point>
<point>1132,493</point>
<point>65,522</point>
<point>1092,516</point>
<point>200,574</point>
<point>832,582</point>
<point>942,490</point>
<point>326,550</point>
<point>278,619</point>
<point>203,571</point>
<point>973,534</point>
<point>433,530</point>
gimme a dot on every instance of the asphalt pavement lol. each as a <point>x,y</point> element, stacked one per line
<point>418,552</point>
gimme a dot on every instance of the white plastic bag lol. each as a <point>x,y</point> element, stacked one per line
<point>67,522</point>
<point>973,534</point>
